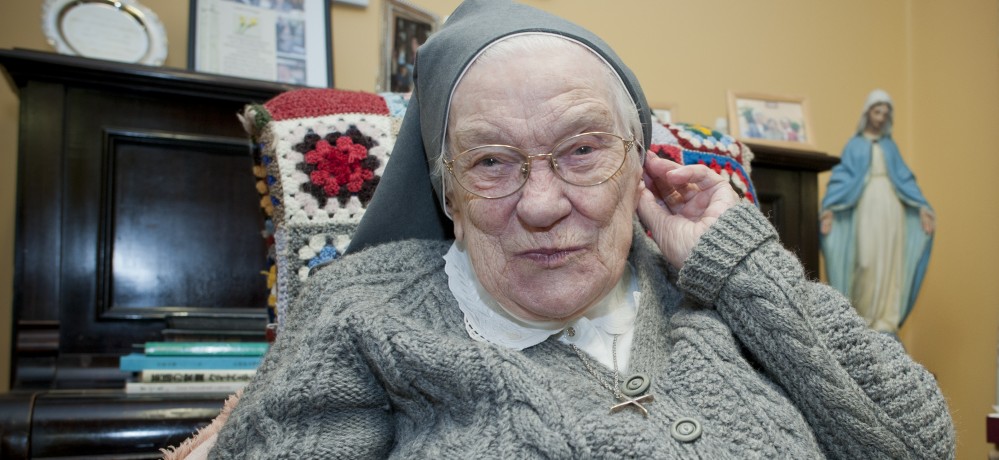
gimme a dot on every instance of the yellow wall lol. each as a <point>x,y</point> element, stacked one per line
<point>939,60</point>
<point>953,112</point>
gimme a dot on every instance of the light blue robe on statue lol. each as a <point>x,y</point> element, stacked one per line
<point>845,187</point>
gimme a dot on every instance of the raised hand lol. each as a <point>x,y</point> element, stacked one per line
<point>679,203</point>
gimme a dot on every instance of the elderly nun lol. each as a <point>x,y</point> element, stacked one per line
<point>502,300</point>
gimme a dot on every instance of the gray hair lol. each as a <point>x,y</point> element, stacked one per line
<point>518,45</point>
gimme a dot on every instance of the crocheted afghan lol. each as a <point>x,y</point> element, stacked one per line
<point>318,155</point>
<point>692,144</point>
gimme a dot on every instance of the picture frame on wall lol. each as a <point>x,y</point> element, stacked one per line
<point>768,119</point>
<point>407,26</point>
<point>283,41</point>
<point>663,113</point>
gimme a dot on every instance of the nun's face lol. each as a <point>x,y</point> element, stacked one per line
<point>550,250</point>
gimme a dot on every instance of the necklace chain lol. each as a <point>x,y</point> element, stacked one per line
<point>616,389</point>
<point>632,399</point>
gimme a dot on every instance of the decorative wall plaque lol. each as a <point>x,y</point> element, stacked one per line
<point>116,30</point>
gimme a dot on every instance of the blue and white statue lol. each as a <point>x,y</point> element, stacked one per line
<point>877,228</point>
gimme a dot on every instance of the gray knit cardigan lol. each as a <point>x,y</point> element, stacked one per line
<point>374,361</point>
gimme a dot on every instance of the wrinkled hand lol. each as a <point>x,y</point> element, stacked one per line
<point>825,222</point>
<point>679,203</point>
<point>928,220</point>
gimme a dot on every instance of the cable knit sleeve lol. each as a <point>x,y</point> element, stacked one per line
<point>313,396</point>
<point>860,391</point>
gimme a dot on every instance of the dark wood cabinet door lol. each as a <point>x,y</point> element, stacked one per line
<point>787,187</point>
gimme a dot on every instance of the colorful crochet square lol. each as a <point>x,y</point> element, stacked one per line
<point>318,157</point>
<point>692,144</point>
<point>326,169</point>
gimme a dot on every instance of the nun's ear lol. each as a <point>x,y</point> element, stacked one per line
<point>456,219</point>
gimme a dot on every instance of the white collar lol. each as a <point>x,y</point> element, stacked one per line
<point>488,321</point>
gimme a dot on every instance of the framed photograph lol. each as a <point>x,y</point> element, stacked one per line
<point>406,28</point>
<point>284,41</point>
<point>781,121</point>
<point>662,113</point>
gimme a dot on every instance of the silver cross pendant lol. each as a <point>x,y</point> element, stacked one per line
<point>634,402</point>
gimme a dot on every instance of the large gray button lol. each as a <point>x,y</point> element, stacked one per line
<point>686,429</point>
<point>635,384</point>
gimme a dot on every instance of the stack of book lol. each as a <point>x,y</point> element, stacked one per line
<point>192,367</point>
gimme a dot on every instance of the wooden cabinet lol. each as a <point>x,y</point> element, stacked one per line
<point>136,199</point>
<point>787,187</point>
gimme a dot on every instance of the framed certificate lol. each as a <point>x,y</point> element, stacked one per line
<point>285,41</point>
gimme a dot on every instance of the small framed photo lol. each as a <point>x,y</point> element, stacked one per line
<point>406,28</point>
<point>284,41</point>
<point>781,121</point>
<point>662,114</point>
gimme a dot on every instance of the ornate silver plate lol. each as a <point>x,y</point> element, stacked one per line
<point>117,30</point>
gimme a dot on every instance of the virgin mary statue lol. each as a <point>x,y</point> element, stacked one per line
<point>877,228</point>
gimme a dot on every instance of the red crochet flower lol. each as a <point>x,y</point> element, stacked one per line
<point>339,166</point>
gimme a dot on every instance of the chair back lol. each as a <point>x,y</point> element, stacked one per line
<point>318,156</point>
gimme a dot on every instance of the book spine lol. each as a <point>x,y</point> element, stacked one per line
<point>196,387</point>
<point>139,362</point>
<point>206,348</point>
<point>181,376</point>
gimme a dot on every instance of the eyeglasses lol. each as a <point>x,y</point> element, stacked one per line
<point>497,171</point>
